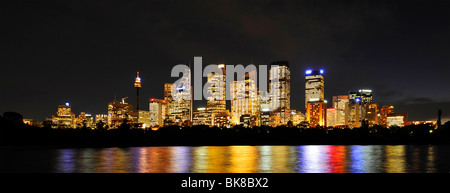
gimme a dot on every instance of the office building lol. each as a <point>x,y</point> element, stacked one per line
<point>372,114</point>
<point>364,94</point>
<point>216,96</point>
<point>354,113</point>
<point>84,120</point>
<point>179,101</point>
<point>157,112</point>
<point>397,119</point>
<point>331,117</point>
<point>385,111</point>
<point>64,117</point>
<point>314,85</point>
<point>280,92</point>
<point>244,100</point>
<point>297,117</point>
<point>280,85</point>
<point>316,114</point>
<point>339,104</point>
<point>202,117</point>
<point>101,117</point>
<point>118,112</point>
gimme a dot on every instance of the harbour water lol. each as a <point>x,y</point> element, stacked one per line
<point>230,159</point>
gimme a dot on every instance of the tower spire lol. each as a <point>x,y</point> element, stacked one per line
<point>137,85</point>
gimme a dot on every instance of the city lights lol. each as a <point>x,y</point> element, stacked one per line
<point>248,106</point>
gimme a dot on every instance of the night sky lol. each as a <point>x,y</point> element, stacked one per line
<point>83,52</point>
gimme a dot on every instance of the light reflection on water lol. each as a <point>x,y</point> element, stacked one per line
<point>236,159</point>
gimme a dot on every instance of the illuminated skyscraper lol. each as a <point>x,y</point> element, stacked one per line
<point>372,114</point>
<point>118,112</point>
<point>64,118</point>
<point>216,97</point>
<point>157,111</point>
<point>244,100</point>
<point>84,120</point>
<point>314,85</point>
<point>280,85</point>
<point>316,113</point>
<point>361,108</point>
<point>385,111</point>
<point>339,103</point>
<point>316,107</point>
<point>137,85</point>
<point>364,94</point>
<point>180,104</point>
<point>331,117</point>
<point>280,88</point>
<point>355,112</point>
<point>202,117</point>
<point>168,92</point>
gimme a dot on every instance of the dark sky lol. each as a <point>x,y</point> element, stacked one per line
<point>83,52</point>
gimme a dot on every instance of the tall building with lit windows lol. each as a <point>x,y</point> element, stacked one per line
<point>280,91</point>
<point>372,114</point>
<point>180,101</point>
<point>315,104</point>
<point>355,112</point>
<point>244,101</point>
<point>64,117</point>
<point>331,117</point>
<point>385,111</point>
<point>314,85</point>
<point>364,94</point>
<point>216,96</point>
<point>339,104</point>
<point>316,113</point>
<point>118,112</point>
<point>157,112</point>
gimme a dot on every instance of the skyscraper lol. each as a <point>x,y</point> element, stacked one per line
<point>339,103</point>
<point>157,111</point>
<point>64,118</point>
<point>244,100</point>
<point>180,100</point>
<point>280,91</point>
<point>137,85</point>
<point>216,97</point>
<point>361,108</point>
<point>372,114</point>
<point>280,85</point>
<point>316,107</point>
<point>316,113</point>
<point>364,94</point>
<point>331,117</point>
<point>354,113</point>
<point>118,112</point>
<point>314,85</point>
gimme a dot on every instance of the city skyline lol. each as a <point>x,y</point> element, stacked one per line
<point>85,56</point>
<point>249,106</point>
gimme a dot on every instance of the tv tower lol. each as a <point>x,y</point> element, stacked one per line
<point>137,85</point>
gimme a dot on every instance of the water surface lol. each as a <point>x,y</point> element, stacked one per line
<point>231,159</point>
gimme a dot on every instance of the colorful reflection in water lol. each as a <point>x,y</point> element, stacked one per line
<point>253,159</point>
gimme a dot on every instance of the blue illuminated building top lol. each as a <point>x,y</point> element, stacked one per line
<point>314,72</point>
